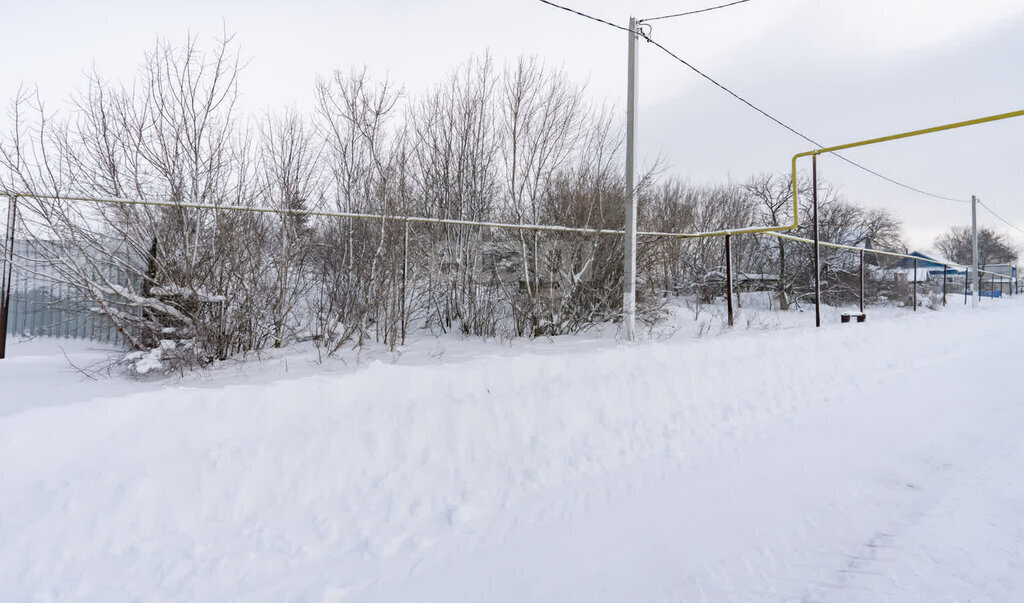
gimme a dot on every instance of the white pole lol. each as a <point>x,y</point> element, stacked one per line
<point>629,255</point>
<point>974,260</point>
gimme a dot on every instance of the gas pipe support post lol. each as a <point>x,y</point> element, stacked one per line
<point>915,284</point>
<point>817,242</point>
<point>728,276</point>
<point>944,270</point>
<point>861,281</point>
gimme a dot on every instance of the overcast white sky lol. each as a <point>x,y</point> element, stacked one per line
<point>839,70</point>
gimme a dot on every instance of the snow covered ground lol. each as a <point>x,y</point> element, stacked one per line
<point>859,462</point>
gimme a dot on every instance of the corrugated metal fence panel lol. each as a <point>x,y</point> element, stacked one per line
<point>42,305</point>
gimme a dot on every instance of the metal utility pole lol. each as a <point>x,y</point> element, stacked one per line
<point>974,261</point>
<point>629,255</point>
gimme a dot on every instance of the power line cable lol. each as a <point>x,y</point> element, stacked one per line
<point>586,16</point>
<point>794,130</point>
<point>777,121</point>
<point>1000,218</point>
<point>694,12</point>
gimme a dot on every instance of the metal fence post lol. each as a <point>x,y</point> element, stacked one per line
<point>979,279</point>
<point>728,275</point>
<point>915,284</point>
<point>944,269</point>
<point>8,272</point>
<point>861,281</point>
<point>405,280</point>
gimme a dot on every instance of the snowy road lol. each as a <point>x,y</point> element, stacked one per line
<point>874,462</point>
<point>902,490</point>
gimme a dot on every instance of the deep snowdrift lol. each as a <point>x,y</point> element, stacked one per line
<point>873,461</point>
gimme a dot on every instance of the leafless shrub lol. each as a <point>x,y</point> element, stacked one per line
<point>517,143</point>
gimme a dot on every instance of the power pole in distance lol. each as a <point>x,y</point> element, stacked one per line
<point>974,260</point>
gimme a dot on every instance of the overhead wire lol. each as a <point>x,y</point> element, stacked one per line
<point>646,36</point>
<point>1000,218</point>
<point>792,129</point>
<point>586,16</point>
<point>694,12</point>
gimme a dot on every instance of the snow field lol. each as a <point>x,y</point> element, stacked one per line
<point>673,470</point>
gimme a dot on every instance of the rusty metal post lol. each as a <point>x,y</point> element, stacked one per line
<point>8,272</point>
<point>944,269</point>
<point>817,260</point>
<point>980,278</point>
<point>861,281</point>
<point>915,284</point>
<point>728,276</point>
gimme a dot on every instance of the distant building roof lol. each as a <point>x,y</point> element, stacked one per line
<point>923,261</point>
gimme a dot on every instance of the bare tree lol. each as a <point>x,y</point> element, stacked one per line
<point>670,208</point>
<point>369,163</point>
<point>772,195</point>
<point>455,154</point>
<point>994,247</point>
<point>171,136</point>
<point>581,274</point>
<point>541,112</point>
<point>517,143</point>
<point>290,180</point>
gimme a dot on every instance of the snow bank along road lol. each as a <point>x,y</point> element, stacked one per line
<point>874,462</point>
